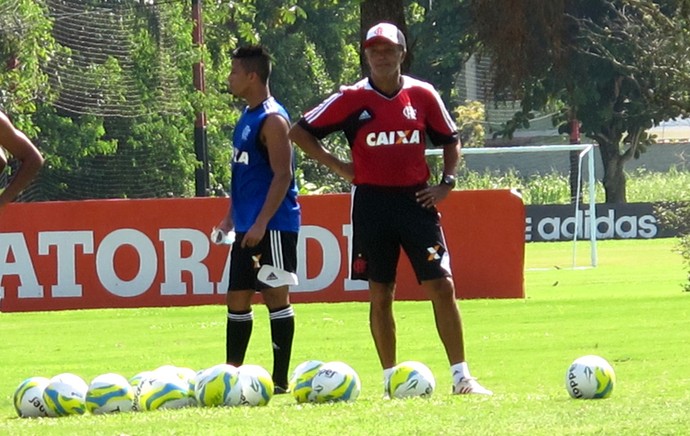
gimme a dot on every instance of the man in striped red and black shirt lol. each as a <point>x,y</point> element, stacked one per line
<point>386,119</point>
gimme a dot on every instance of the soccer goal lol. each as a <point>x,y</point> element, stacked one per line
<point>540,174</point>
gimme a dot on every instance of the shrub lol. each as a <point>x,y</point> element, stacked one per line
<point>677,216</point>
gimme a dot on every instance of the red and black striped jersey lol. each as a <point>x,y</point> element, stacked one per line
<point>387,134</point>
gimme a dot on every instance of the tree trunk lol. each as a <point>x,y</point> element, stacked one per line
<point>614,176</point>
<point>375,11</point>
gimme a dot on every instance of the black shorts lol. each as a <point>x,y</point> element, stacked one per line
<point>385,219</point>
<point>278,249</point>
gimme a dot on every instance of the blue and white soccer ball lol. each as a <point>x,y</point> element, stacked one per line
<point>65,395</point>
<point>410,379</point>
<point>109,393</point>
<point>301,379</point>
<point>186,374</point>
<point>218,386</point>
<point>590,377</point>
<point>335,381</point>
<point>256,385</point>
<point>137,378</point>
<point>28,398</point>
<point>189,376</point>
<point>161,391</point>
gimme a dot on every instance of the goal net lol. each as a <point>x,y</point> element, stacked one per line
<point>556,175</point>
<point>113,82</point>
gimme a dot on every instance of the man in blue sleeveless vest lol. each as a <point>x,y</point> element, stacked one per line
<point>263,212</point>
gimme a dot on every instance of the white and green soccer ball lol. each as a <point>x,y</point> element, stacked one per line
<point>218,386</point>
<point>161,390</point>
<point>256,385</point>
<point>109,393</point>
<point>65,395</point>
<point>410,379</point>
<point>301,379</point>
<point>590,377</point>
<point>137,378</point>
<point>335,381</point>
<point>184,373</point>
<point>28,398</point>
<point>189,376</point>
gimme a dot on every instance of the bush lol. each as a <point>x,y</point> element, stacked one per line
<point>677,217</point>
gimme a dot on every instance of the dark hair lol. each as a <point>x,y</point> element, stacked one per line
<point>255,59</point>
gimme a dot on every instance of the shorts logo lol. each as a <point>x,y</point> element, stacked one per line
<point>359,266</point>
<point>257,261</point>
<point>433,253</point>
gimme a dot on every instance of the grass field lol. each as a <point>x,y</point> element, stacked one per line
<point>630,310</point>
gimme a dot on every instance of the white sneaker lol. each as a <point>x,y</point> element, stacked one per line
<point>469,385</point>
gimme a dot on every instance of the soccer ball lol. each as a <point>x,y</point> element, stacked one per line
<point>186,374</point>
<point>162,391</point>
<point>335,381</point>
<point>28,398</point>
<point>171,369</point>
<point>137,378</point>
<point>109,393</point>
<point>590,377</point>
<point>256,385</point>
<point>65,395</point>
<point>301,378</point>
<point>189,376</point>
<point>218,386</point>
<point>410,379</point>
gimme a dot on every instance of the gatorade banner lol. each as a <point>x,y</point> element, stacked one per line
<point>157,252</point>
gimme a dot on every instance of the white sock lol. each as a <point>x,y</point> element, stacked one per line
<point>386,374</point>
<point>459,371</point>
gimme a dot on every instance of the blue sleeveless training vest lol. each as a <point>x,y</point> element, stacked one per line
<point>252,173</point>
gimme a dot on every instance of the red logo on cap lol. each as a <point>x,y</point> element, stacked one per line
<point>379,31</point>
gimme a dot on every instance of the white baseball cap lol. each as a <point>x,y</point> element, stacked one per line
<point>385,32</point>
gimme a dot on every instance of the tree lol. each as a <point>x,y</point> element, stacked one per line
<point>441,39</point>
<point>676,216</point>
<point>619,67</point>
<point>375,11</point>
<point>140,61</point>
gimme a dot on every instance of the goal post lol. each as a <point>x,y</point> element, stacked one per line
<point>578,213</point>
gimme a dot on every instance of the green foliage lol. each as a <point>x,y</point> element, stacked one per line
<point>309,62</point>
<point>676,215</point>
<point>435,27</point>
<point>25,43</point>
<point>471,118</point>
<point>315,46</point>
<point>619,67</point>
<point>113,121</point>
<point>554,188</point>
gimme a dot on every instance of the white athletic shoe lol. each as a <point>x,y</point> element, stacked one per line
<point>469,385</point>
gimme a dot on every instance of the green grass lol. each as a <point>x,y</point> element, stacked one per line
<point>630,309</point>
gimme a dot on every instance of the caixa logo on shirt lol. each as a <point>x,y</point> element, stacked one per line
<point>394,137</point>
